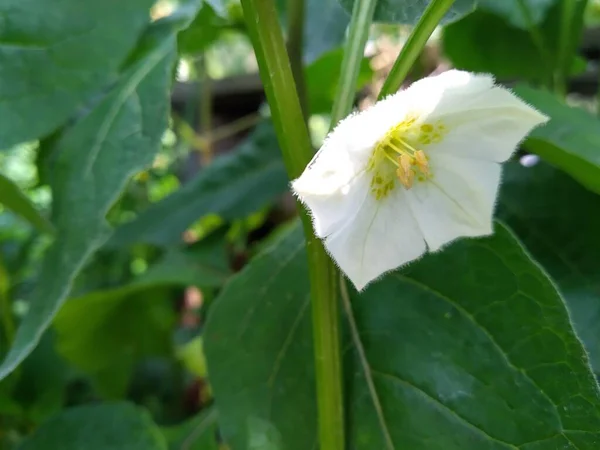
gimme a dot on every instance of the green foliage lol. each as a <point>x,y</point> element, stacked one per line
<point>570,140</point>
<point>512,39</point>
<point>469,342</point>
<point>76,58</point>
<point>198,433</point>
<point>409,12</point>
<point>322,77</point>
<point>86,183</point>
<point>240,184</point>
<point>163,302</point>
<point>118,426</point>
<point>558,221</point>
<point>13,199</point>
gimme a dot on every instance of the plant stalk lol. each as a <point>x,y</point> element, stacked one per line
<point>571,22</point>
<point>6,312</point>
<point>360,23</point>
<point>295,48</point>
<point>415,43</point>
<point>274,66</point>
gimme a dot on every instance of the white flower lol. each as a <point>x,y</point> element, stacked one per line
<point>416,171</point>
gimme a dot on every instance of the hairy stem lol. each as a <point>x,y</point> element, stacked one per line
<point>292,134</point>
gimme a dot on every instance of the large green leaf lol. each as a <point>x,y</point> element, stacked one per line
<point>203,31</point>
<point>486,42</point>
<point>12,198</point>
<point>494,39</point>
<point>55,53</point>
<point>570,141</point>
<point>233,186</point>
<point>559,220</point>
<point>198,433</point>
<point>410,11</point>
<point>114,426</point>
<point>519,13</point>
<point>105,333</point>
<point>95,158</point>
<point>467,349</point>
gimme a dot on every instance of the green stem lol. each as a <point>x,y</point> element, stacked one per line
<point>292,134</point>
<point>567,17</point>
<point>295,48</point>
<point>206,108</point>
<point>415,43</point>
<point>362,16</point>
<point>6,312</point>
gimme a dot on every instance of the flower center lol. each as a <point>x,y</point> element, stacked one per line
<point>399,156</point>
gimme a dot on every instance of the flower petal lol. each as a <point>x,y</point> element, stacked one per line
<point>383,236</point>
<point>458,201</point>
<point>332,211</point>
<point>483,121</point>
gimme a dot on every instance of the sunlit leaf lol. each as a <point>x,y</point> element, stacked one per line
<point>55,54</point>
<point>96,157</point>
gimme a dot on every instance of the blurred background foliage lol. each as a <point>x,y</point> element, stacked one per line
<point>215,193</point>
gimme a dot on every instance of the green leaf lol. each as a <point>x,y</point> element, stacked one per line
<point>233,186</point>
<point>13,199</point>
<point>55,54</point>
<point>519,13</point>
<point>486,42</point>
<point>325,26</point>
<point>323,75</point>
<point>95,158</point>
<point>410,11</point>
<point>559,220</point>
<point>493,39</point>
<point>198,433</point>
<point>114,426</point>
<point>570,141</point>
<point>105,333</point>
<point>203,31</point>
<point>42,379</point>
<point>469,348</point>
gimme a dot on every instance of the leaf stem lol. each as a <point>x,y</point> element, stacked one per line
<point>362,16</point>
<point>568,8</point>
<point>364,362</point>
<point>433,14</point>
<point>292,134</point>
<point>6,312</point>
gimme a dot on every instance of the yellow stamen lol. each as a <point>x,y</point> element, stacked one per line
<point>406,162</point>
<point>422,162</point>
